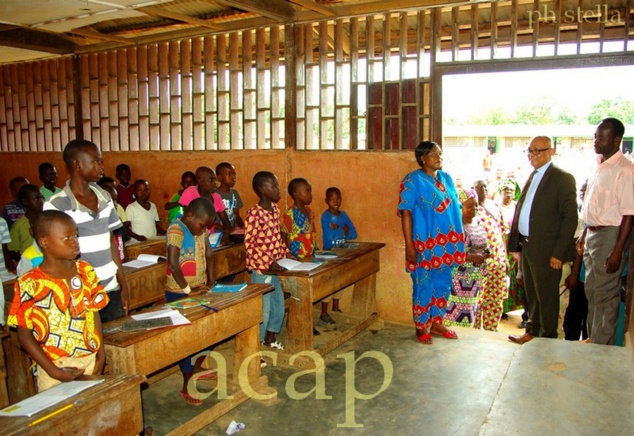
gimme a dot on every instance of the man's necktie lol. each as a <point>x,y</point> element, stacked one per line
<point>520,201</point>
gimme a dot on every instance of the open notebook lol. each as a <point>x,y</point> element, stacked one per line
<point>145,260</point>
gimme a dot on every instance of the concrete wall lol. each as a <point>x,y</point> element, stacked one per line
<point>369,183</point>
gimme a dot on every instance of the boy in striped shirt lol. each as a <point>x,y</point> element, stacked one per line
<point>94,213</point>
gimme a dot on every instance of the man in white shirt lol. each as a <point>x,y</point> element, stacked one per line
<point>608,210</point>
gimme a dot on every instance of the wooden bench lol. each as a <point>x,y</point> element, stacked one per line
<point>111,407</point>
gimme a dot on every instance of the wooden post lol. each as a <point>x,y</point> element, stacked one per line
<point>290,127</point>
<point>436,87</point>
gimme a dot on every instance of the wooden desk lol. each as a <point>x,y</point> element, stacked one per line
<point>147,352</point>
<point>147,285</point>
<point>353,266</point>
<point>111,407</point>
<point>20,380</point>
<point>151,246</point>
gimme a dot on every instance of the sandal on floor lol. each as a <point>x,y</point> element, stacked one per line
<point>210,374</point>
<point>191,400</point>
<point>449,334</point>
<point>425,339</point>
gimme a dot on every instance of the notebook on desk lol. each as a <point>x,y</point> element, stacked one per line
<point>145,260</point>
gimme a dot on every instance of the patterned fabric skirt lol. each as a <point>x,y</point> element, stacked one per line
<point>431,292</point>
<point>516,292</point>
<point>494,291</point>
<point>463,302</point>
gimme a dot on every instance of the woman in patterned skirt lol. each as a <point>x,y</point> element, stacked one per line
<point>434,242</point>
<point>467,278</point>
<point>510,192</point>
<point>495,286</point>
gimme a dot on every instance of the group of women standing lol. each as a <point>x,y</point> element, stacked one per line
<point>455,249</point>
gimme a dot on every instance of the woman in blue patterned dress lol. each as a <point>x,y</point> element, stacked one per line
<point>434,242</point>
<point>467,278</point>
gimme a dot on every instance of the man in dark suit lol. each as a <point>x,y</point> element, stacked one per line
<point>543,229</point>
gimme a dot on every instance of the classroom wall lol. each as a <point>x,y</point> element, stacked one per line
<point>369,182</point>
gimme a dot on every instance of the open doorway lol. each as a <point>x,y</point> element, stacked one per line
<point>497,112</point>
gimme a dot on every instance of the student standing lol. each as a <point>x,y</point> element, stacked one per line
<point>188,179</point>
<point>94,213</point>
<point>206,187</point>
<point>13,210</point>
<point>142,214</point>
<point>264,247</point>
<point>336,227</point>
<point>298,223</point>
<point>33,201</point>
<point>48,176</point>
<point>124,188</point>
<point>227,176</point>
<point>190,268</point>
<point>56,306</point>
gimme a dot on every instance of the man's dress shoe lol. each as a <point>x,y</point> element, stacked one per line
<point>521,339</point>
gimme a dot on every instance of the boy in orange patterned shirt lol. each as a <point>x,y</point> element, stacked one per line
<point>264,247</point>
<point>298,223</point>
<point>56,306</point>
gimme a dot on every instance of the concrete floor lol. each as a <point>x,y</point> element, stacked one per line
<point>479,384</point>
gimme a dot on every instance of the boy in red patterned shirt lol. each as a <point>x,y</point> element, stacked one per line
<point>264,247</point>
<point>56,306</point>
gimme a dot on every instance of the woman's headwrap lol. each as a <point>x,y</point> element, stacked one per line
<point>514,187</point>
<point>465,194</point>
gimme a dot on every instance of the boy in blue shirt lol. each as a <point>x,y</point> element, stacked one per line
<point>335,223</point>
<point>336,228</point>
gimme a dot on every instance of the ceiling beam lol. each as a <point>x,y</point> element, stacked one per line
<point>91,33</point>
<point>164,13</point>
<point>37,40</point>
<point>276,9</point>
<point>375,7</point>
<point>312,6</point>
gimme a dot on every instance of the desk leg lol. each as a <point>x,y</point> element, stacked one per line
<point>363,297</point>
<point>247,344</point>
<point>299,327</point>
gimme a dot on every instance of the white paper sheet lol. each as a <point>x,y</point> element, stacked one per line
<point>293,265</point>
<point>49,397</point>
<point>175,315</point>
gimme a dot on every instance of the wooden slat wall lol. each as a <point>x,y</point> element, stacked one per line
<point>219,92</point>
<point>37,105</point>
<point>227,91</point>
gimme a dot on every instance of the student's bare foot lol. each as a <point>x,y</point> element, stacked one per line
<point>587,341</point>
